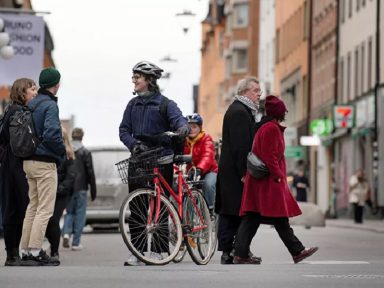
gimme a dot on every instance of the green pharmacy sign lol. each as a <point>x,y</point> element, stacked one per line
<point>321,127</point>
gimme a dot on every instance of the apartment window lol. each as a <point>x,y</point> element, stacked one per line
<point>369,80</point>
<point>342,11</point>
<point>356,73</point>
<point>341,82</point>
<point>228,67</point>
<point>350,9</point>
<point>349,76</point>
<point>241,15</point>
<point>240,60</point>
<point>362,70</point>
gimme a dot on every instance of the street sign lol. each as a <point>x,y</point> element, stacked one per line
<point>294,152</point>
<point>343,116</point>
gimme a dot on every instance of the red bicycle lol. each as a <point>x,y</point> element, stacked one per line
<point>151,226</point>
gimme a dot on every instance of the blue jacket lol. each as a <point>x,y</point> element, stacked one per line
<point>48,129</point>
<point>143,119</point>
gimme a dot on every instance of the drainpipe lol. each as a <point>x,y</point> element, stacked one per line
<point>376,128</point>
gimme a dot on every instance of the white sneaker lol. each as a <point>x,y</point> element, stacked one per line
<point>156,256</point>
<point>133,261</point>
<point>77,247</point>
<point>66,241</point>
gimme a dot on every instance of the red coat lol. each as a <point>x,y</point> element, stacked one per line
<point>203,153</point>
<point>267,196</point>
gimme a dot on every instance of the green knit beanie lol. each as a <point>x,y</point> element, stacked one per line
<point>49,77</point>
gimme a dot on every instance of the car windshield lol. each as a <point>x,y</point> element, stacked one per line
<point>104,165</point>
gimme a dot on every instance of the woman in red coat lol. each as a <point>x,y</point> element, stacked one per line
<point>269,200</point>
<point>200,145</point>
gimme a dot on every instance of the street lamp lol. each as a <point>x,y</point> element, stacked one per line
<point>185,18</point>
<point>6,50</point>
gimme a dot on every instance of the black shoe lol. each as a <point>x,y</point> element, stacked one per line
<point>226,258</point>
<point>44,260</point>
<point>26,260</point>
<point>13,261</point>
<point>55,256</point>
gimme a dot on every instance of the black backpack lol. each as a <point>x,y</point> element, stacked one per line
<point>22,133</point>
<point>2,145</point>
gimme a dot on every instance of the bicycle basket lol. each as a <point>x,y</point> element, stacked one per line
<point>139,168</point>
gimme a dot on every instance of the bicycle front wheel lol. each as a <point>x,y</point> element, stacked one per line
<point>198,227</point>
<point>153,241</point>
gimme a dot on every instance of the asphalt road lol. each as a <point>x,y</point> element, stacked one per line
<point>347,258</point>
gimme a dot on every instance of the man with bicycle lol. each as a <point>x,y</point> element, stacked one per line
<point>147,115</point>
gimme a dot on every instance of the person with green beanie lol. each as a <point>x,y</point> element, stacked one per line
<point>41,170</point>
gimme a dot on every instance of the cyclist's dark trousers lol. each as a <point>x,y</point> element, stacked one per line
<point>137,233</point>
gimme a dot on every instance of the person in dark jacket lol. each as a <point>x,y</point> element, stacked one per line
<point>200,145</point>
<point>74,220</point>
<point>13,182</point>
<point>41,170</point>
<point>143,120</point>
<point>238,129</point>
<point>268,200</point>
<point>66,174</point>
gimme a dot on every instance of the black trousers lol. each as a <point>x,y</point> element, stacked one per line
<point>228,226</point>
<point>14,200</point>
<point>358,212</point>
<point>137,232</point>
<point>53,231</point>
<point>248,228</point>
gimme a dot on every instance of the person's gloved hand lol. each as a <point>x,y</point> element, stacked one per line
<point>139,147</point>
<point>183,131</point>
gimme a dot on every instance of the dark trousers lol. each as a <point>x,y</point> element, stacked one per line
<point>228,226</point>
<point>358,212</point>
<point>248,228</point>
<point>53,232</point>
<point>137,232</point>
<point>14,201</point>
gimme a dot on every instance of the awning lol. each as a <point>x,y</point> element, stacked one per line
<point>326,141</point>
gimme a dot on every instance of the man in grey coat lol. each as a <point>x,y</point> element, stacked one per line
<point>238,131</point>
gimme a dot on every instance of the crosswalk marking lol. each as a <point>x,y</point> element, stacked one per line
<point>333,262</point>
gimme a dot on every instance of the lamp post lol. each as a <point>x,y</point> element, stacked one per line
<point>6,50</point>
<point>185,18</point>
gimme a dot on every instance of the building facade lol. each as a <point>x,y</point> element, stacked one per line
<point>267,46</point>
<point>231,44</point>
<point>356,87</point>
<point>322,95</point>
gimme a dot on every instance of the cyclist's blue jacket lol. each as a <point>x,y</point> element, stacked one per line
<point>142,119</point>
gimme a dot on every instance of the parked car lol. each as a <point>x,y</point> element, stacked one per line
<point>110,190</point>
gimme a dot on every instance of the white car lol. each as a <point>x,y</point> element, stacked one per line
<point>110,190</point>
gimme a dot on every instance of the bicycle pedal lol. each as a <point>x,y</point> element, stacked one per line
<point>191,242</point>
<point>187,229</point>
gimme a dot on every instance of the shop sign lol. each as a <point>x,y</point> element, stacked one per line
<point>321,127</point>
<point>343,116</point>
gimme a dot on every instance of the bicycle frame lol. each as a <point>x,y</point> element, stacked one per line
<point>159,180</point>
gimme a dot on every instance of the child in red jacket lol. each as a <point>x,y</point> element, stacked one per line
<point>201,146</point>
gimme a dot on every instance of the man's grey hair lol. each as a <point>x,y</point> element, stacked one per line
<point>243,84</point>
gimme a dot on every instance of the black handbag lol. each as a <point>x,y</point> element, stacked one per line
<point>256,168</point>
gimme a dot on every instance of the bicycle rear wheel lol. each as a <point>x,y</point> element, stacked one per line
<point>153,243</point>
<point>198,227</point>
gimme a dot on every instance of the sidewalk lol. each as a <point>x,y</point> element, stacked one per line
<point>368,225</point>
